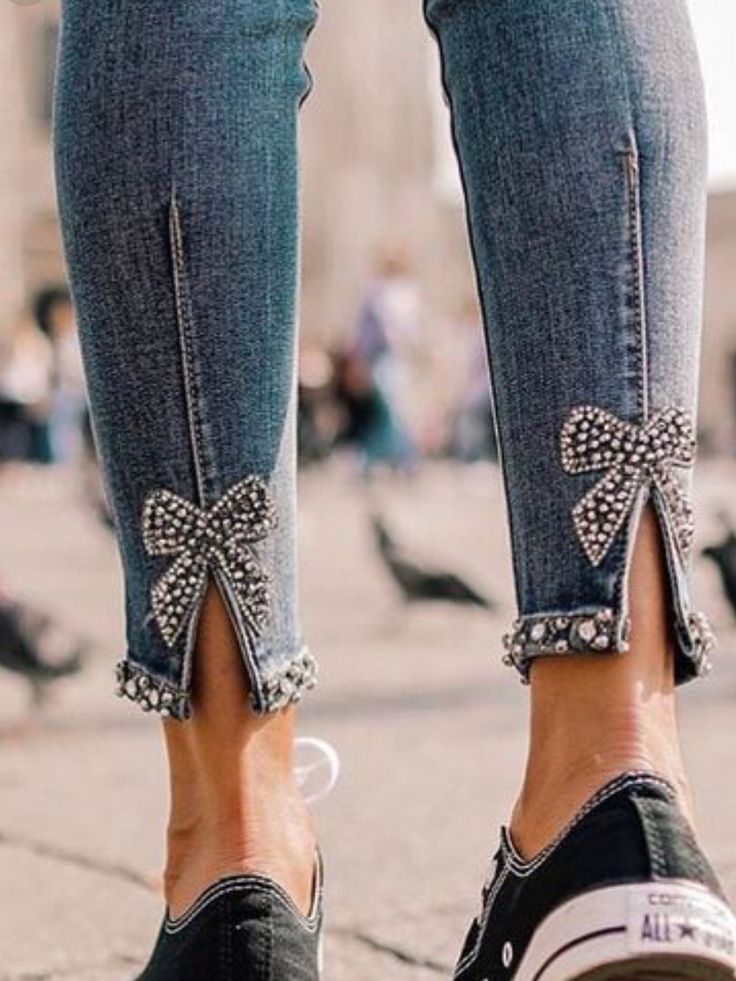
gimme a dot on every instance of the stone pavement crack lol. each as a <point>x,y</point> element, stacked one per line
<point>77,859</point>
<point>125,874</point>
<point>73,971</point>
<point>398,953</point>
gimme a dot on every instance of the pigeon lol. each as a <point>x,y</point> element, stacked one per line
<point>29,646</point>
<point>419,583</point>
<point>724,555</point>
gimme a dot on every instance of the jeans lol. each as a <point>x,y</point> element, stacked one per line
<point>580,131</point>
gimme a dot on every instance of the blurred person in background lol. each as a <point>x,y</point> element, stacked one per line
<point>33,645</point>
<point>368,422</point>
<point>317,423</point>
<point>26,362</point>
<point>580,130</point>
<point>386,339</point>
<point>471,419</point>
<point>67,408</point>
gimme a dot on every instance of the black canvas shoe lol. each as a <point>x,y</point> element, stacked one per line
<point>243,928</point>
<point>623,894</point>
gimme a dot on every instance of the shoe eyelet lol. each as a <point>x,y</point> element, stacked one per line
<point>507,954</point>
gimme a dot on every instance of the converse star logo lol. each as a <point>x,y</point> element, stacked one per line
<point>665,919</point>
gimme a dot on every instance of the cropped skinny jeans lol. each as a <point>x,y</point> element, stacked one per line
<point>579,127</point>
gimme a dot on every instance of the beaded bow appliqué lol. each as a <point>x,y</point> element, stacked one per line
<point>632,456</point>
<point>220,537</point>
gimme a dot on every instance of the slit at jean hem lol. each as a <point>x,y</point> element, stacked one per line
<point>277,689</point>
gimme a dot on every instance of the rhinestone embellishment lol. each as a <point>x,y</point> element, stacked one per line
<point>703,638</point>
<point>150,693</point>
<point>287,685</point>
<point>583,633</point>
<point>632,456</point>
<point>220,537</point>
<point>282,687</point>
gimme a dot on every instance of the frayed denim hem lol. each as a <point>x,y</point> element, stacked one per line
<point>278,689</point>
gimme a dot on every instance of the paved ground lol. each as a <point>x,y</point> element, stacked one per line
<point>428,724</point>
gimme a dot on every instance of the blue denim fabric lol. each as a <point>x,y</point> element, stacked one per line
<point>177,174</point>
<point>580,129</point>
<point>581,132</point>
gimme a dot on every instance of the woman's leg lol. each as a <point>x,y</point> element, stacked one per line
<point>580,129</point>
<point>177,175</point>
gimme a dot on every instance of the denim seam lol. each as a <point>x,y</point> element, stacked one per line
<point>184,325</point>
<point>245,642</point>
<point>632,166</point>
<point>631,163</point>
<point>661,509</point>
<point>681,609</point>
<point>191,638</point>
<point>624,551</point>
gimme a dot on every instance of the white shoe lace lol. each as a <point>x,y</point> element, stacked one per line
<point>317,767</point>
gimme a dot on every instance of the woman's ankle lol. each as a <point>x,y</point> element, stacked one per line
<point>269,834</point>
<point>235,805</point>
<point>593,719</point>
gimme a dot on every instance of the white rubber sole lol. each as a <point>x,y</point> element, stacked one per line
<point>651,932</point>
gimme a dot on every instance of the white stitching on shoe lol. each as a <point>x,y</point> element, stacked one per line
<point>524,868</point>
<point>247,883</point>
<point>483,921</point>
<point>513,862</point>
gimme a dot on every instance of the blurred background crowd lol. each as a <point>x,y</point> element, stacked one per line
<point>388,299</point>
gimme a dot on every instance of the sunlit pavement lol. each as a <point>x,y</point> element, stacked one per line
<point>428,723</point>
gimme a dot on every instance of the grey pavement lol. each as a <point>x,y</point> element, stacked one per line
<point>429,726</point>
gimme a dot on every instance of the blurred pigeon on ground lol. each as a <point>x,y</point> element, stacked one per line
<point>33,645</point>
<point>420,583</point>
<point>724,555</point>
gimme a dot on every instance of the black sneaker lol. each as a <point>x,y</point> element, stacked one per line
<point>243,928</point>
<point>623,894</point>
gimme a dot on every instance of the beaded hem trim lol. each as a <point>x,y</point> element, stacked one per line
<point>289,684</point>
<point>220,537</point>
<point>600,632</point>
<point>632,457</point>
<point>153,694</point>
<point>703,641</point>
<point>150,693</point>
